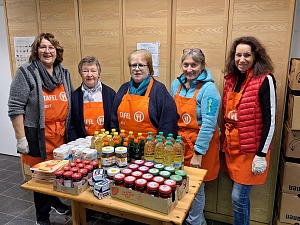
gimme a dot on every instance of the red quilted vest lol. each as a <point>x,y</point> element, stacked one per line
<point>249,112</point>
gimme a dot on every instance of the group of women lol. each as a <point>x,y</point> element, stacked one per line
<point>46,112</point>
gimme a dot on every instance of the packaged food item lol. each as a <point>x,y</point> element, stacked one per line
<point>165,191</point>
<point>121,157</point>
<point>140,185</point>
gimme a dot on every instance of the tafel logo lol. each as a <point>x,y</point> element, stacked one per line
<point>186,118</point>
<point>139,116</point>
<point>63,96</point>
<point>114,190</point>
<point>100,120</point>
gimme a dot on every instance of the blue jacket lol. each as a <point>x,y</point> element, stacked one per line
<point>77,126</point>
<point>207,119</point>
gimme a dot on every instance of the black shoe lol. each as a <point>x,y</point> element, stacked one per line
<point>61,209</point>
<point>43,222</point>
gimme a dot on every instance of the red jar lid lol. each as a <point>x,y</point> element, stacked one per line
<point>94,163</point>
<point>126,171</point>
<point>133,166</point>
<point>152,185</point>
<point>72,164</point>
<point>67,174</point>
<point>160,180</point>
<point>139,162</point>
<point>137,174</point>
<point>66,168</point>
<point>149,164</point>
<point>119,177</point>
<point>171,183</point>
<point>147,176</point>
<point>143,169</point>
<point>165,189</point>
<point>59,172</point>
<point>80,165</point>
<point>141,182</point>
<point>89,167</point>
<point>76,176</point>
<point>83,171</point>
<point>77,161</point>
<point>74,169</point>
<point>86,162</point>
<point>129,180</point>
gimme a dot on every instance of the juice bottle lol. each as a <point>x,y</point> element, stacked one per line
<point>136,151</point>
<point>149,150</point>
<point>168,159</point>
<point>110,140</point>
<point>168,139</point>
<point>102,131</point>
<point>116,135</point>
<point>113,130</point>
<point>93,139</point>
<point>159,151</point>
<point>178,155</point>
<point>161,134</point>
<point>141,140</point>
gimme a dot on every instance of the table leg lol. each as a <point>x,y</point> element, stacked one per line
<point>75,213</point>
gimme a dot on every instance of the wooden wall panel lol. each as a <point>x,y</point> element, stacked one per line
<point>22,20</point>
<point>148,21</point>
<point>61,19</point>
<point>200,24</point>
<point>100,28</point>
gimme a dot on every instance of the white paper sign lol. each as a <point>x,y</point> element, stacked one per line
<point>22,49</point>
<point>154,48</point>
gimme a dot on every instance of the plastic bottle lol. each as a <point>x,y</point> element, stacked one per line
<point>136,151</point>
<point>110,140</point>
<point>99,143</point>
<point>181,141</point>
<point>93,139</point>
<point>149,150</point>
<point>168,139</point>
<point>150,135</point>
<point>159,152</point>
<point>161,134</point>
<point>122,136</point>
<point>141,144</point>
<point>172,138</point>
<point>102,131</point>
<point>168,159</point>
<point>116,135</point>
<point>178,155</point>
<point>113,130</point>
<point>156,139</point>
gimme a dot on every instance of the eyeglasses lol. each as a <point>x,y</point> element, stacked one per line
<point>188,50</point>
<point>50,48</point>
<point>139,65</point>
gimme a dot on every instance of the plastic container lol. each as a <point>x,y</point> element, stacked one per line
<point>111,172</point>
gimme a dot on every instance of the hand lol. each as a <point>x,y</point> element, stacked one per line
<point>22,146</point>
<point>259,165</point>
<point>196,161</point>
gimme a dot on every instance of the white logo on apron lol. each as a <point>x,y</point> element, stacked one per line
<point>100,120</point>
<point>186,118</point>
<point>63,96</point>
<point>232,115</point>
<point>138,116</point>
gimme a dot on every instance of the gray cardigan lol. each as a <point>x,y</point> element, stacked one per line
<point>26,98</point>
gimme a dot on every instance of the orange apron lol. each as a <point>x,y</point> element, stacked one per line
<point>56,110</point>
<point>93,117</point>
<point>189,129</point>
<point>133,113</point>
<point>239,164</point>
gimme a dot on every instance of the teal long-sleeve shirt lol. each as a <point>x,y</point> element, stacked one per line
<point>207,106</point>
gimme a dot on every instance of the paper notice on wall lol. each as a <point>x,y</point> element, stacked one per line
<point>22,49</point>
<point>154,48</point>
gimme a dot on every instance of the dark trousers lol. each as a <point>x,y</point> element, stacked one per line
<point>43,204</point>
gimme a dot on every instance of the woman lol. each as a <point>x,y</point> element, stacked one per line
<point>143,104</point>
<point>197,99</point>
<point>91,102</point>
<point>39,108</point>
<point>249,106</point>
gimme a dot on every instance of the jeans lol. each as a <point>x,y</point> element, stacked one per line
<point>241,203</point>
<point>196,215</point>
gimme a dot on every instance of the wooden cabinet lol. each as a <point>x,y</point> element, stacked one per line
<point>110,29</point>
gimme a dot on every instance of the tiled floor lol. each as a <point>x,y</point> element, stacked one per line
<point>17,208</point>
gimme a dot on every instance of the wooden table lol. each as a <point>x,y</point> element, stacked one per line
<point>87,200</point>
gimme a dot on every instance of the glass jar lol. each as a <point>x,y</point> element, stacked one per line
<point>84,173</point>
<point>153,171</point>
<point>172,184</point>
<point>111,172</point>
<point>121,157</point>
<point>90,169</point>
<point>133,166</point>
<point>140,185</point>
<point>108,157</point>
<point>67,178</point>
<point>147,176</point>
<point>171,169</point>
<point>72,164</point>
<point>165,174</point>
<point>129,182</point>
<point>95,164</point>
<point>159,166</point>
<point>74,169</point>
<point>159,179</point>
<point>59,177</point>
<point>137,174</point>
<point>126,171</point>
<point>177,179</point>
<point>119,179</point>
<point>183,174</point>
<point>76,179</point>
<point>143,169</point>
<point>152,188</point>
<point>165,191</point>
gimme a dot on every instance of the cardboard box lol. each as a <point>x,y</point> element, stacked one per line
<point>183,188</point>
<point>289,177</point>
<point>289,211</point>
<point>293,118</point>
<point>77,190</point>
<point>291,142</point>
<point>294,76</point>
<point>143,199</point>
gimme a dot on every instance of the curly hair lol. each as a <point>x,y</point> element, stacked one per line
<point>49,37</point>
<point>262,61</point>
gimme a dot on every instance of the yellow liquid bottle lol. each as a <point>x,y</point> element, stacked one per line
<point>159,152</point>
<point>149,150</point>
<point>178,155</point>
<point>93,139</point>
<point>99,144</point>
<point>110,140</point>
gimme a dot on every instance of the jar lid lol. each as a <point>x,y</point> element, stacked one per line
<point>153,171</point>
<point>164,189</point>
<point>140,182</point>
<point>94,163</point>
<point>143,169</point>
<point>171,183</point>
<point>86,161</point>
<point>139,162</point>
<point>126,171</point>
<point>147,176</point>
<point>176,178</point>
<point>133,166</point>
<point>159,179</point>
<point>76,176</point>
<point>149,164</point>
<point>129,179</point>
<point>80,165</point>
<point>89,167</point>
<point>169,168</point>
<point>159,166</point>
<point>180,172</point>
<point>137,174</point>
<point>83,171</point>
<point>67,174</point>
<point>152,185</point>
<point>74,169</point>
<point>165,174</point>
<point>120,150</point>
<point>66,168</point>
<point>72,164</point>
<point>119,176</point>
<point>59,172</point>
<point>108,149</point>
<point>112,171</point>
<point>77,161</point>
